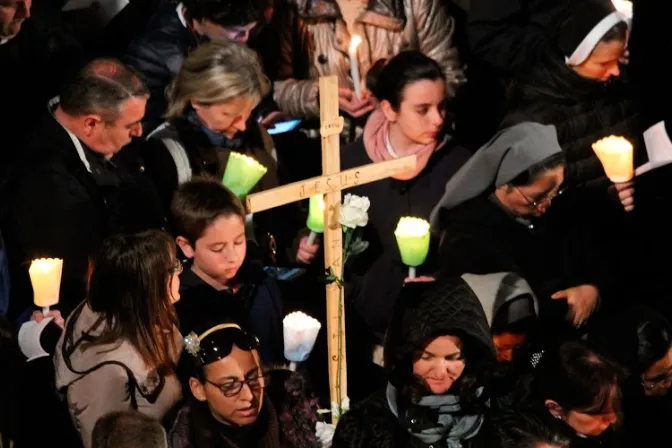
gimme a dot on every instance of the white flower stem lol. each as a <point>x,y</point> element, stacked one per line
<point>411,272</point>
<point>311,238</point>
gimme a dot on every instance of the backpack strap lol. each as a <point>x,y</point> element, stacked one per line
<point>179,155</point>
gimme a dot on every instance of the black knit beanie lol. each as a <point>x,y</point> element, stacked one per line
<point>587,22</point>
<point>427,310</point>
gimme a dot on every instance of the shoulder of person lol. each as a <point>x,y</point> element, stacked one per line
<point>354,154</point>
<point>370,423</point>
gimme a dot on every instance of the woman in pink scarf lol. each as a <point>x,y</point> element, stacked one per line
<point>410,118</point>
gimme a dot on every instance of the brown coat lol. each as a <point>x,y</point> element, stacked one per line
<point>99,380</point>
<point>314,42</point>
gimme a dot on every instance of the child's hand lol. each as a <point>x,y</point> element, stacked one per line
<point>307,252</point>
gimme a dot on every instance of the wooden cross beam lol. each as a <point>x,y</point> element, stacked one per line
<point>330,184</point>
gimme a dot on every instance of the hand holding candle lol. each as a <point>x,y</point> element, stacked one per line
<point>242,174</point>
<point>315,217</point>
<point>354,64</point>
<point>413,240</point>
<point>616,155</point>
<point>45,276</point>
<point>300,333</point>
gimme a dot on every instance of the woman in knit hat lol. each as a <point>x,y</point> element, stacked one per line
<point>438,353</point>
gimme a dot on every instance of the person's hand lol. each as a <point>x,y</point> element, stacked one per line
<point>307,252</point>
<point>37,316</point>
<point>421,279</point>
<point>582,301</point>
<point>626,194</point>
<point>353,106</point>
<point>271,119</point>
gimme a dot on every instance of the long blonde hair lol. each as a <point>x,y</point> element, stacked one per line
<point>217,73</point>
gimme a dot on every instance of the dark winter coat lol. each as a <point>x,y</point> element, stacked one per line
<point>390,200</point>
<point>582,110</point>
<point>256,306</point>
<point>57,208</point>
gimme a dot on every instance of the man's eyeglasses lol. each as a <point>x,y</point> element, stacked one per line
<point>233,388</point>
<point>537,204</point>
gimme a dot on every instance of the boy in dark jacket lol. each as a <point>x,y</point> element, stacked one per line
<point>220,283</point>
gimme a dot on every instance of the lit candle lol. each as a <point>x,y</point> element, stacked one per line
<point>242,173</point>
<point>300,333</point>
<point>413,240</point>
<point>616,156</point>
<point>45,275</point>
<point>624,7</point>
<point>354,64</point>
<point>315,217</point>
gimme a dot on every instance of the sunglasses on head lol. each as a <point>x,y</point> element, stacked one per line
<point>217,343</point>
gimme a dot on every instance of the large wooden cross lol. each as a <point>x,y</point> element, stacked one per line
<point>330,185</point>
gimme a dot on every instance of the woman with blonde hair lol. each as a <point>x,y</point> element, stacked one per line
<point>209,115</point>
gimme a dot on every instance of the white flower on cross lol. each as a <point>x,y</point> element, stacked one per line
<point>354,211</point>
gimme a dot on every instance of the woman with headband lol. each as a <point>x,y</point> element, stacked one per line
<point>576,87</point>
<point>231,404</point>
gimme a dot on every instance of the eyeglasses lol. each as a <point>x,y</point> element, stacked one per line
<point>233,388</point>
<point>534,204</point>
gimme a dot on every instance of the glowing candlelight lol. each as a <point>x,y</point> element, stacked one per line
<point>45,275</point>
<point>300,334</point>
<point>413,240</point>
<point>354,64</point>
<point>624,7</point>
<point>242,174</point>
<point>616,156</point>
<point>315,217</point>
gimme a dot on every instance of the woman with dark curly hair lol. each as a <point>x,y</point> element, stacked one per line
<point>234,402</point>
<point>438,355</point>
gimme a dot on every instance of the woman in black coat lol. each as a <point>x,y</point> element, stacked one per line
<point>438,355</point>
<point>410,120</point>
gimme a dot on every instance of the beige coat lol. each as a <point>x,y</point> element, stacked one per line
<point>314,42</point>
<point>106,388</point>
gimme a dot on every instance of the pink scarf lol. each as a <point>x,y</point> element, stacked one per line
<point>375,142</point>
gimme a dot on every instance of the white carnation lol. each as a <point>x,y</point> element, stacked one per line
<point>354,211</point>
<point>324,433</point>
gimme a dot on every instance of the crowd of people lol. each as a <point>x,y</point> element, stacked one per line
<point>539,319</point>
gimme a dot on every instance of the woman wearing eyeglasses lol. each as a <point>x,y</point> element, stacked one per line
<point>489,222</point>
<point>231,401</point>
<point>640,339</point>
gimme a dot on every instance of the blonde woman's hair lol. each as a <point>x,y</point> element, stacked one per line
<point>217,73</point>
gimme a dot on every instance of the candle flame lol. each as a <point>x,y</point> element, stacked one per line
<point>45,264</point>
<point>413,227</point>
<point>354,43</point>
<point>612,144</point>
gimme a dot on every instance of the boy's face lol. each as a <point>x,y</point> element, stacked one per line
<point>220,252</point>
